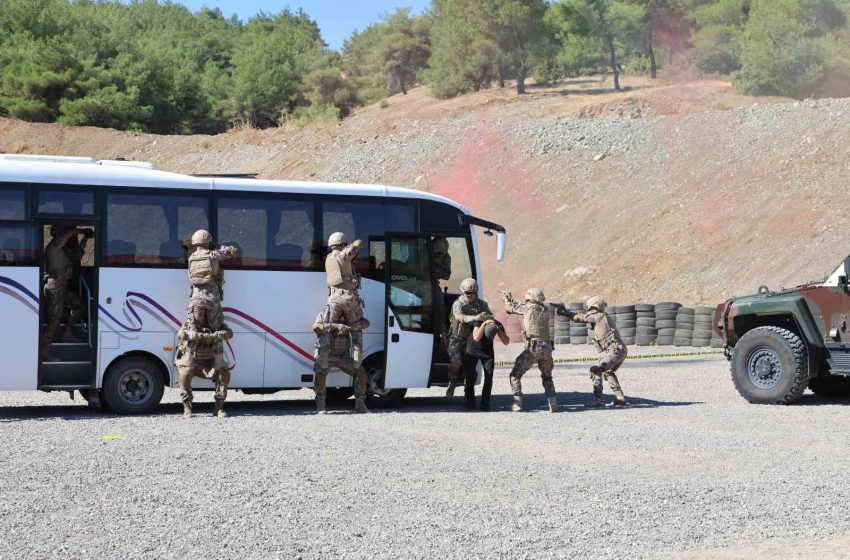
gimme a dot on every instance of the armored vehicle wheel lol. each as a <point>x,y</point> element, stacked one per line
<point>830,386</point>
<point>770,366</point>
<point>132,385</point>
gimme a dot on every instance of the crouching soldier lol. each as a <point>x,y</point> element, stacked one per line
<point>334,350</point>
<point>610,346</point>
<point>538,345</point>
<point>466,310</point>
<point>200,353</point>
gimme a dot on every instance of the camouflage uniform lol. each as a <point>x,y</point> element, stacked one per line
<point>469,310</point>
<point>610,346</point>
<point>206,277</point>
<point>344,303</point>
<point>200,353</point>
<point>59,274</point>
<point>538,348</point>
<point>333,350</point>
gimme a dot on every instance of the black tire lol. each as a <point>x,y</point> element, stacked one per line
<point>717,343</point>
<point>627,332</point>
<point>376,397</point>
<point>578,332</point>
<point>133,385</point>
<point>704,310</point>
<point>645,340</point>
<point>668,305</point>
<point>684,333</point>
<point>626,324</point>
<point>826,385</point>
<point>770,366</point>
<point>666,315</point>
<point>645,308</point>
<point>665,324</point>
<point>620,309</point>
<point>575,340</point>
<point>338,395</point>
<point>646,321</point>
<point>664,341</point>
<point>667,332</point>
<point>562,340</point>
<point>646,331</point>
<point>681,342</point>
<point>629,340</point>
<point>703,334</point>
<point>703,326</point>
<point>689,311</point>
<point>701,343</point>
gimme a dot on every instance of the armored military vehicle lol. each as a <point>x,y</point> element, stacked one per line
<point>781,342</point>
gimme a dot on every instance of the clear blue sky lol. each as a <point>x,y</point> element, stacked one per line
<point>336,18</point>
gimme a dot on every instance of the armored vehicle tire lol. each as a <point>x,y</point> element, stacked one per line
<point>132,385</point>
<point>770,366</point>
<point>376,396</point>
<point>830,386</point>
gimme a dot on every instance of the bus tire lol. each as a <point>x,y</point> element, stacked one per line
<point>133,385</point>
<point>376,396</point>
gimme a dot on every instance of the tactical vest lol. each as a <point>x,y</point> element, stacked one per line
<point>59,266</point>
<point>341,273</point>
<point>535,322</point>
<point>202,269</point>
<point>198,353</point>
<point>463,330</point>
<point>605,336</point>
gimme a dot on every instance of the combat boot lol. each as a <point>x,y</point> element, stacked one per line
<point>620,399</point>
<point>553,404</point>
<point>517,406</point>
<point>187,409</point>
<point>450,390</point>
<point>360,406</point>
<point>320,406</point>
<point>597,398</point>
<point>218,410</point>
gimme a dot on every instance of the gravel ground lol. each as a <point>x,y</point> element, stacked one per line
<point>688,470</point>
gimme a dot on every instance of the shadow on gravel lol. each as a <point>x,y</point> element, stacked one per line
<point>817,400</point>
<point>568,402</point>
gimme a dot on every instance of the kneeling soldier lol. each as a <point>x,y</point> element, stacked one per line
<point>538,345</point>
<point>334,349</point>
<point>200,353</point>
<point>609,344</point>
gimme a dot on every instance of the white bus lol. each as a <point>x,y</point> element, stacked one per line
<point>134,288</point>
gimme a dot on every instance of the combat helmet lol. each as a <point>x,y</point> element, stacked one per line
<point>469,286</point>
<point>597,303</point>
<point>201,237</point>
<point>535,294</point>
<point>441,245</point>
<point>337,238</point>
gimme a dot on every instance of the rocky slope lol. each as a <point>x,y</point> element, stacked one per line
<point>680,191</point>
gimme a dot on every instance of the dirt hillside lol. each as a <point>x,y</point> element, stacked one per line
<point>672,191</point>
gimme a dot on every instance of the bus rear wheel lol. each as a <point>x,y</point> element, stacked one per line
<point>376,395</point>
<point>133,385</point>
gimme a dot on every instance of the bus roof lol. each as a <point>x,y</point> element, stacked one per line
<point>119,173</point>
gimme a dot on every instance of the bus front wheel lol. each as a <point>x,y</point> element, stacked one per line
<point>376,395</point>
<point>133,385</point>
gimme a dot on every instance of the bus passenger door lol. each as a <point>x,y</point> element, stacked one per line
<point>409,329</point>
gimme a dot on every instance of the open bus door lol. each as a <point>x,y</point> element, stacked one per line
<point>409,329</point>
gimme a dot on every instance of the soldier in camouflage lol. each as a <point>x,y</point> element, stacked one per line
<point>466,310</point>
<point>206,278</point>
<point>59,275</point>
<point>609,344</point>
<point>538,345</point>
<point>200,353</point>
<point>333,349</point>
<point>344,304</point>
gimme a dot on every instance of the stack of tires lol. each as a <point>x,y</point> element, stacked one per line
<point>665,322</point>
<point>578,331</point>
<point>513,326</point>
<point>647,333</point>
<point>561,329</point>
<point>684,327</point>
<point>702,326</point>
<point>626,319</point>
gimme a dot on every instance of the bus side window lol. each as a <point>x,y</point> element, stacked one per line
<point>18,245</point>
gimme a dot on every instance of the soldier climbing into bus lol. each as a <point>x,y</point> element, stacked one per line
<point>200,353</point>
<point>344,304</point>
<point>334,349</point>
<point>206,279</point>
<point>58,279</point>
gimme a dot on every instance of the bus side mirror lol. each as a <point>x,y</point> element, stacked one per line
<point>500,246</point>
